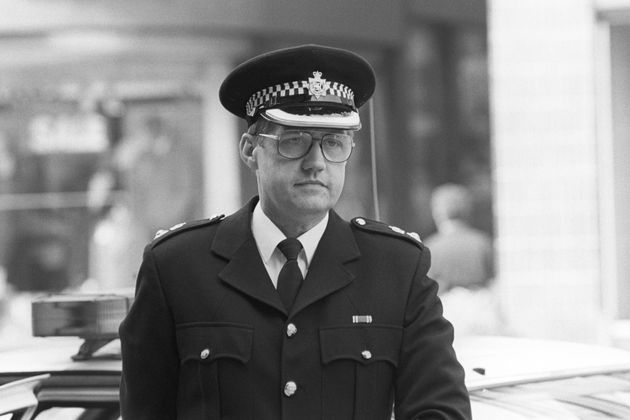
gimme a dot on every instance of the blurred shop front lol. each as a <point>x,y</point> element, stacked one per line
<point>110,125</point>
<point>83,169</point>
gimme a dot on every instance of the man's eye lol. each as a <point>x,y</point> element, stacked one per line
<point>332,143</point>
<point>293,138</point>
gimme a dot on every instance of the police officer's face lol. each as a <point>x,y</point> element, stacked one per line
<point>305,187</point>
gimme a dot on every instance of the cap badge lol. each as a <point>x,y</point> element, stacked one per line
<point>316,85</point>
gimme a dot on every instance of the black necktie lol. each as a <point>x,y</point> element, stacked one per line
<point>290,277</point>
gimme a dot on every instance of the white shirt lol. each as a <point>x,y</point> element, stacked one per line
<point>268,236</point>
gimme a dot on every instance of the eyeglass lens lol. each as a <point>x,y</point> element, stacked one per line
<point>336,147</point>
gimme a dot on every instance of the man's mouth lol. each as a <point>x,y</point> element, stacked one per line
<point>310,182</point>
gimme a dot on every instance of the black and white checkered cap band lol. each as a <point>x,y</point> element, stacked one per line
<point>296,88</point>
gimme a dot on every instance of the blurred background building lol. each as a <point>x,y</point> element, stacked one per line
<point>111,128</point>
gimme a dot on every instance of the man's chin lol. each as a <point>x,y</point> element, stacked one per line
<point>313,204</point>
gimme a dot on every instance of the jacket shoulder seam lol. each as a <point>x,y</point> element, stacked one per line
<point>164,234</point>
<point>373,226</point>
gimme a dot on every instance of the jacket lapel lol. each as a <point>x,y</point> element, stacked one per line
<point>327,272</point>
<point>245,270</point>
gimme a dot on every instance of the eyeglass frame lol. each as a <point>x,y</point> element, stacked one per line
<point>276,137</point>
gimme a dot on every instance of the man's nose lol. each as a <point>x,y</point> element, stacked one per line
<point>314,159</point>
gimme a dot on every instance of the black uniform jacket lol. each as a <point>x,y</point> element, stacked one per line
<point>207,336</point>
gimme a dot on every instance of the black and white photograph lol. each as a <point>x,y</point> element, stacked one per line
<point>314,210</point>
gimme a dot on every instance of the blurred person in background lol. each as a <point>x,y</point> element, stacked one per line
<point>154,170</point>
<point>157,172</point>
<point>462,263</point>
<point>463,256</point>
<point>283,310</point>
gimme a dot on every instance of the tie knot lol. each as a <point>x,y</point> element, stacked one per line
<point>290,248</point>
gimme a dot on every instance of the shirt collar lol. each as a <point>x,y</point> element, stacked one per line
<point>310,239</point>
<point>267,235</point>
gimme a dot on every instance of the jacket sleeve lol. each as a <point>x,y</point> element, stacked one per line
<point>430,380</point>
<point>149,351</point>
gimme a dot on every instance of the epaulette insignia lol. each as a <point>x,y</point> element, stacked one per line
<point>379,227</point>
<point>181,227</point>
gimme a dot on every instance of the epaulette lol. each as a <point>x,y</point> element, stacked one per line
<point>163,234</point>
<point>385,229</point>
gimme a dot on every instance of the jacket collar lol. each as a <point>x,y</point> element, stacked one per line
<point>328,272</point>
<point>245,270</point>
<point>234,230</point>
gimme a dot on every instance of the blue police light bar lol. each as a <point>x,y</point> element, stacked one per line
<point>93,317</point>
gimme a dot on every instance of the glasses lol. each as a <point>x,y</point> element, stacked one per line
<point>295,144</point>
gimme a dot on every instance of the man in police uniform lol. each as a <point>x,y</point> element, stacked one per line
<point>232,320</point>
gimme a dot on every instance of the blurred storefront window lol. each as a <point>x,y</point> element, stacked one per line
<point>79,180</point>
<point>55,147</point>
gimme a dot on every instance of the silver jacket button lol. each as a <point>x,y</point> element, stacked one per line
<point>290,388</point>
<point>204,353</point>
<point>291,330</point>
<point>366,354</point>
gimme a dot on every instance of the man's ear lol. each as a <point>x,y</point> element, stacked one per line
<point>246,150</point>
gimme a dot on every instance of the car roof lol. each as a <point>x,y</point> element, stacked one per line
<point>491,361</point>
<point>54,354</point>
